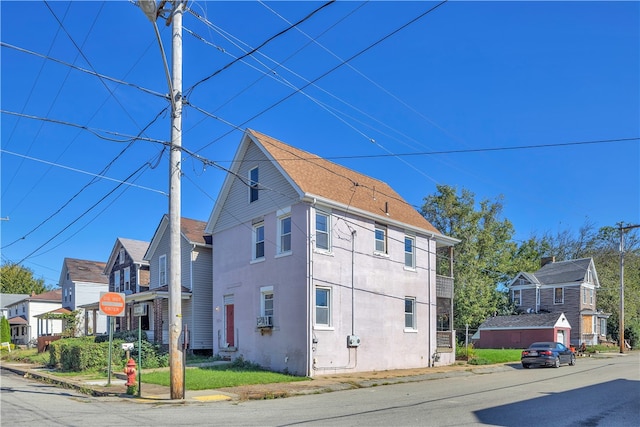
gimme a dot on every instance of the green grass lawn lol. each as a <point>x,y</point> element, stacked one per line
<point>492,356</point>
<point>219,377</point>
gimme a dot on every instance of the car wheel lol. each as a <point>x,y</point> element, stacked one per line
<point>526,365</point>
<point>556,363</point>
<point>572,361</point>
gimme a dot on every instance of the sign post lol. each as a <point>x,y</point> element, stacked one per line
<point>112,304</point>
<point>140,310</point>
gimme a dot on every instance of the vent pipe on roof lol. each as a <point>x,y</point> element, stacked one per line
<point>386,208</point>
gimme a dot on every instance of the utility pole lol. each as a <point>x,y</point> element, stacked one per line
<point>621,317</point>
<point>150,8</point>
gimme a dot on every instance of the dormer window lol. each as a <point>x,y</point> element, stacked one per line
<point>253,185</point>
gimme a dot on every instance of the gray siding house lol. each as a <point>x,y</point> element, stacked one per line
<point>568,287</point>
<point>197,287</point>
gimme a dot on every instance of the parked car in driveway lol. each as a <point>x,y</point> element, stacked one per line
<point>547,354</point>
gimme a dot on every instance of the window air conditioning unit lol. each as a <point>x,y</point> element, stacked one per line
<point>265,322</point>
<point>353,341</point>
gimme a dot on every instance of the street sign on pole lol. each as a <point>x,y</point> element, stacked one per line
<point>112,304</point>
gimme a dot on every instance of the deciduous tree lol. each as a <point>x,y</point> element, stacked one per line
<point>16,279</point>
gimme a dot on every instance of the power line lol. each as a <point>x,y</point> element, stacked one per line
<point>261,45</point>
<point>82,171</point>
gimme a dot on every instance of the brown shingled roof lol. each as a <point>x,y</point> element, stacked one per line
<point>54,296</point>
<point>81,270</point>
<point>318,177</point>
<point>193,229</point>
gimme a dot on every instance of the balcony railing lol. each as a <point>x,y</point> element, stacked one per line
<point>444,287</point>
<point>444,339</point>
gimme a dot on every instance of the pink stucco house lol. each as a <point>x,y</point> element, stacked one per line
<point>319,269</point>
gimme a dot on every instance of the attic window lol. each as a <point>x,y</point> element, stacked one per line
<point>121,257</point>
<point>253,184</point>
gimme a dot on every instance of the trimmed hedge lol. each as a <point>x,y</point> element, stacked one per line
<point>88,354</point>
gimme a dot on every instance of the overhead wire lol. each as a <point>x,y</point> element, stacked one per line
<point>261,45</point>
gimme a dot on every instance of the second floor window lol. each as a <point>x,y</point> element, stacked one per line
<point>116,281</point>
<point>258,241</point>
<point>162,270</point>
<point>558,295</point>
<point>381,238</point>
<point>127,279</point>
<point>284,231</point>
<point>253,185</point>
<point>322,231</point>
<point>409,252</point>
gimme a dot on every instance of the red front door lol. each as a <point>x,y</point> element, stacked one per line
<point>228,309</point>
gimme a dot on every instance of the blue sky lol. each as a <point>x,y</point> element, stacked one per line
<point>464,77</point>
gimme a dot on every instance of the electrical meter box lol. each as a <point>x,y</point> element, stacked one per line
<point>353,341</point>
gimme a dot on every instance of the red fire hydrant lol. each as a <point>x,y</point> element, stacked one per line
<point>130,370</point>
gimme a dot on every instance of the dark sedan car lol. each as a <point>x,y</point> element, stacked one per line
<point>547,354</point>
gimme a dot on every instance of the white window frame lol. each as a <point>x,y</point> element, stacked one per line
<point>555,300</point>
<point>121,256</point>
<point>254,191</point>
<point>320,232</point>
<point>255,242</point>
<point>116,281</point>
<point>410,256</point>
<point>323,308</point>
<point>584,295</point>
<point>266,294</point>
<point>412,313</point>
<point>380,244</point>
<point>517,300</point>
<point>591,296</point>
<point>127,279</point>
<point>162,270</point>
<point>284,237</point>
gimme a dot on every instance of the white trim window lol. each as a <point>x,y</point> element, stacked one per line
<point>410,252</point>
<point>591,296</point>
<point>162,270</point>
<point>410,313</point>
<point>258,241</point>
<point>517,297</point>
<point>381,239</point>
<point>323,231</point>
<point>266,301</point>
<point>323,307</point>
<point>558,295</point>
<point>121,256</point>
<point>116,281</point>
<point>584,295</point>
<point>127,279</point>
<point>284,234</point>
<point>254,191</point>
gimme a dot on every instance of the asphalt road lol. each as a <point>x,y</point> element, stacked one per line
<point>595,392</point>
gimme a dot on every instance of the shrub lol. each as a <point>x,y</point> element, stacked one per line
<point>5,330</point>
<point>465,353</point>
<point>86,354</point>
<point>124,336</point>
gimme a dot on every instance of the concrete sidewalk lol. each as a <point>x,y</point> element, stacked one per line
<point>152,393</point>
